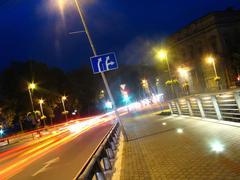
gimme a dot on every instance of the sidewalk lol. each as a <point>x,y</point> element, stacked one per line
<point>157,151</point>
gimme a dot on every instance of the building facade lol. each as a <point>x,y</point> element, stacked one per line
<point>216,34</point>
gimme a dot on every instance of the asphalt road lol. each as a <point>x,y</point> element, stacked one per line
<point>64,161</point>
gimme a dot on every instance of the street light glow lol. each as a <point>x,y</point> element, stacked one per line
<point>64,98</point>
<point>210,60</point>
<point>41,101</point>
<point>161,54</point>
<point>32,86</point>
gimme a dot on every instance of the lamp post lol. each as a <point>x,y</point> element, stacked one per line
<point>211,60</point>
<point>31,87</point>
<point>162,55</point>
<point>80,12</point>
<point>63,99</point>
<point>41,102</point>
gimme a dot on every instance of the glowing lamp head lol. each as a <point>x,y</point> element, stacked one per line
<point>41,101</point>
<point>210,60</point>
<point>32,86</point>
<point>64,98</point>
<point>161,54</point>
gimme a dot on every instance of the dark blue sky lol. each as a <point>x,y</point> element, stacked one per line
<point>35,29</point>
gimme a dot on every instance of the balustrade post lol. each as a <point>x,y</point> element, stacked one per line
<point>178,108</point>
<point>199,103</point>
<point>170,107</point>
<point>216,107</point>
<point>189,107</point>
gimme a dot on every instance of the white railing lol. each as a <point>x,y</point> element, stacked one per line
<point>224,105</point>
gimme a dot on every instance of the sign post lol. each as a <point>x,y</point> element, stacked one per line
<point>109,64</point>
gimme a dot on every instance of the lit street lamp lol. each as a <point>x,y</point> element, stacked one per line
<point>163,56</point>
<point>31,87</point>
<point>102,74</point>
<point>211,60</point>
<point>43,117</point>
<point>64,98</point>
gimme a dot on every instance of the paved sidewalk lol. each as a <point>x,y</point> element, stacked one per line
<point>157,151</point>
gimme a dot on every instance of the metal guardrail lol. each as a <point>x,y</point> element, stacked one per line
<point>224,105</point>
<point>101,160</point>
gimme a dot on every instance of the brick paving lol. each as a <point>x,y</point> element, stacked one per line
<point>158,152</point>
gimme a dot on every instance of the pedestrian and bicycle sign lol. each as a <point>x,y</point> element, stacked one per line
<point>104,62</point>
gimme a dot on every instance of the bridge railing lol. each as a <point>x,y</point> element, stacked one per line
<point>223,105</point>
<point>100,164</point>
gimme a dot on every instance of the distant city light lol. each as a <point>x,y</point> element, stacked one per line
<point>1,131</point>
<point>217,147</point>
<point>108,105</point>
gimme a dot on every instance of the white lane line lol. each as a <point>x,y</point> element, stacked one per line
<point>46,165</point>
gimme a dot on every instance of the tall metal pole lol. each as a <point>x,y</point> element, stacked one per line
<point>41,108</point>
<point>64,110</point>
<point>102,74</point>
<point>33,109</point>
<point>216,75</point>
<point>214,67</point>
<point>31,99</point>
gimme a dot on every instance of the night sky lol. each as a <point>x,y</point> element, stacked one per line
<point>38,29</point>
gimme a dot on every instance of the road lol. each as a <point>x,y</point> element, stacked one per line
<point>60,156</point>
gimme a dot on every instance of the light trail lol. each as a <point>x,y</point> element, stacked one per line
<point>25,155</point>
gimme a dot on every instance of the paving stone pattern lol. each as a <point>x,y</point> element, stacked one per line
<point>157,152</point>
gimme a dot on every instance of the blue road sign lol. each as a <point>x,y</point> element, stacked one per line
<point>104,62</point>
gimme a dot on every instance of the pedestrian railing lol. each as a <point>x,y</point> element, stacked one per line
<point>99,165</point>
<point>223,105</point>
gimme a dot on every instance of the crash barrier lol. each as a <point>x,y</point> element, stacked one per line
<point>99,165</point>
<point>223,105</point>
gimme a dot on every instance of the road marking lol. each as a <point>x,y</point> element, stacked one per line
<point>46,165</point>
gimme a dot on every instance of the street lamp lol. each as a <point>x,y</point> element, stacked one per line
<point>183,72</point>
<point>41,102</point>
<point>63,99</point>
<point>211,60</point>
<point>31,87</point>
<point>80,12</point>
<point>162,55</point>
